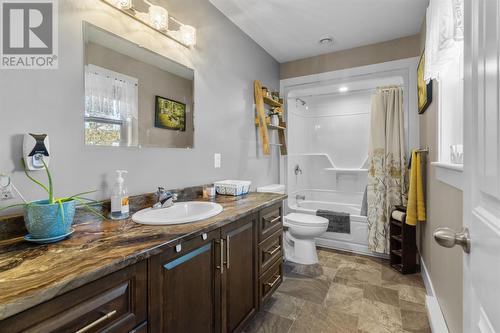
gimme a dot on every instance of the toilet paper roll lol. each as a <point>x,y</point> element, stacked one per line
<point>398,215</point>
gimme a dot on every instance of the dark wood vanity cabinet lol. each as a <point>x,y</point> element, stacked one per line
<point>239,278</point>
<point>184,291</point>
<point>208,283</point>
<point>211,282</point>
<point>114,303</point>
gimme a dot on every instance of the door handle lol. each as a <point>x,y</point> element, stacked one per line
<point>447,237</point>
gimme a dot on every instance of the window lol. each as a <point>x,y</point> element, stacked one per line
<point>444,53</point>
<point>111,108</point>
<point>451,113</point>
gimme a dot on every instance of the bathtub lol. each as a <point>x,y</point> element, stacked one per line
<point>347,202</point>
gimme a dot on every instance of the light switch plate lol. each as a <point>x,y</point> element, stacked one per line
<point>217,160</point>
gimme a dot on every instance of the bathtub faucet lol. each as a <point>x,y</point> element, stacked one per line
<point>297,170</point>
<point>300,197</point>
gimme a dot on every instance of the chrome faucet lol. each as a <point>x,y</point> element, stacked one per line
<point>165,199</point>
<point>297,170</point>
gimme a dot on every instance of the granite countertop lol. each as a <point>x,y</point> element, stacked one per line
<point>31,274</point>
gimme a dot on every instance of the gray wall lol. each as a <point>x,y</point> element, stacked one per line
<point>444,209</point>
<point>401,48</point>
<point>226,62</point>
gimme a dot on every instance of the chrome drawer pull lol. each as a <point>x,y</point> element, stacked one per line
<point>221,267</point>
<point>274,220</point>
<point>272,284</point>
<point>276,249</point>
<point>227,252</point>
<point>97,322</point>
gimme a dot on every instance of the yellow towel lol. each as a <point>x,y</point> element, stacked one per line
<point>415,210</point>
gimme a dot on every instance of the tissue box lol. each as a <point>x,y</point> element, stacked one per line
<point>232,187</point>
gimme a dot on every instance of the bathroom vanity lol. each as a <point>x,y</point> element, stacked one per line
<point>208,276</point>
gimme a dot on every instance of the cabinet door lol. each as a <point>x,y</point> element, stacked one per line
<point>114,303</point>
<point>239,279</point>
<point>185,287</point>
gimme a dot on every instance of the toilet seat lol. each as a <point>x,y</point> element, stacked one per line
<point>299,243</point>
<point>305,220</point>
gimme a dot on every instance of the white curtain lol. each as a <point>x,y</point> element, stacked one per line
<point>444,35</point>
<point>113,96</point>
<point>387,165</point>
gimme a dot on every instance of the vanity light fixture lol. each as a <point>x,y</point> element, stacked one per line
<point>123,4</point>
<point>343,89</point>
<point>158,18</point>
<point>188,34</point>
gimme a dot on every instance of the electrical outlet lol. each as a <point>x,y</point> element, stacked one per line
<point>5,188</point>
<point>6,193</point>
<point>217,160</point>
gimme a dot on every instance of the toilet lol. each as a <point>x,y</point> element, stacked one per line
<point>299,240</point>
<point>302,229</point>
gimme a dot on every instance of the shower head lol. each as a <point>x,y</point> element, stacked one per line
<point>302,102</point>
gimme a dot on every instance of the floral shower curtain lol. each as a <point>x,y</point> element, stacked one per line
<point>387,169</point>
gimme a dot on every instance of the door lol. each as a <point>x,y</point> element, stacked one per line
<point>482,166</point>
<point>239,279</point>
<point>184,287</point>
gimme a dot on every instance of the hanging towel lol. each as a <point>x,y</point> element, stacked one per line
<point>415,210</point>
<point>337,221</point>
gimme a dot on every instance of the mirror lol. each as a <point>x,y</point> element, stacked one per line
<point>133,96</point>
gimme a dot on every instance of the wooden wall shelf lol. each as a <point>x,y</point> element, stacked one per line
<point>263,123</point>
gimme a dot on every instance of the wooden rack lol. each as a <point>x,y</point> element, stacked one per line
<point>403,245</point>
<point>262,121</point>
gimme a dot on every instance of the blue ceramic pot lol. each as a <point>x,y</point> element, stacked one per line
<point>44,220</point>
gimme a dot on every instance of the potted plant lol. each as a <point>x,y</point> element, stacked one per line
<point>51,217</point>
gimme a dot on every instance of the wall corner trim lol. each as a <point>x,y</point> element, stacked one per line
<point>434,312</point>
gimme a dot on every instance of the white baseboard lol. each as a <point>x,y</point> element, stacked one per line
<point>436,318</point>
<point>348,246</point>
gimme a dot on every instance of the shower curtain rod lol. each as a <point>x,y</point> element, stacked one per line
<point>347,92</point>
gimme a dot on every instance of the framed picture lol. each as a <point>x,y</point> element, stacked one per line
<point>170,114</point>
<point>424,90</point>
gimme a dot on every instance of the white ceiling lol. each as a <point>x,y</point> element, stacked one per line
<point>291,29</point>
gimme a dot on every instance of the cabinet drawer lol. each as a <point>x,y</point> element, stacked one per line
<point>271,280</point>
<point>270,220</point>
<point>270,250</point>
<point>115,303</point>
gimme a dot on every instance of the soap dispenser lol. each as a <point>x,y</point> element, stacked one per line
<point>119,198</point>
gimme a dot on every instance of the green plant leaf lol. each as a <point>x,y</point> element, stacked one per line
<point>61,209</point>
<point>33,179</point>
<point>51,186</point>
<point>87,206</point>
<point>12,206</point>
<point>78,195</point>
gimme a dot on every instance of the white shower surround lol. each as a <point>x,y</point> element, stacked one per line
<point>335,179</point>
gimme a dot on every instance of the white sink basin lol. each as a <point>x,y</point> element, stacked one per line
<point>180,212</point>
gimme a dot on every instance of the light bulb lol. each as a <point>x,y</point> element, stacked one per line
<point>188,35</point>
<point>158,17</point>
<point>343,89</point>
<point>123,4</point>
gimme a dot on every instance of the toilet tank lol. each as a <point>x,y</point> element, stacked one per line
<point>272,188</point>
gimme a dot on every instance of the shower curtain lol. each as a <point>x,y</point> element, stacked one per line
<point>387,172</point>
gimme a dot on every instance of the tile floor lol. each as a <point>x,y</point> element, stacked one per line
<point>344,293</point>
